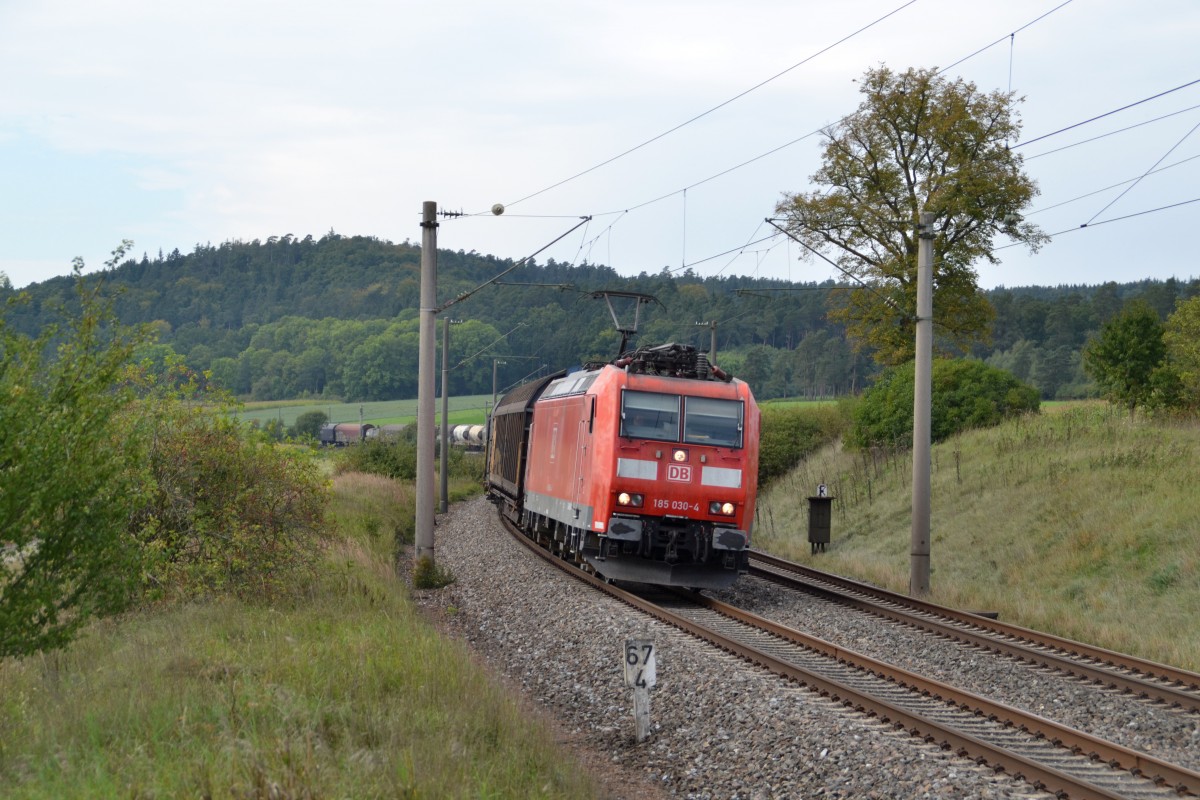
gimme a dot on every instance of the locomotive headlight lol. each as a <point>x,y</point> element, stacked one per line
<point>721,509</point>
<point>630,499</point>
<point>679,456</point>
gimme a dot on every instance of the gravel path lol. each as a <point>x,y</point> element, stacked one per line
<point>720,727</point>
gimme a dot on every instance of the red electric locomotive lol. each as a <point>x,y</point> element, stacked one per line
<point>644,469</point>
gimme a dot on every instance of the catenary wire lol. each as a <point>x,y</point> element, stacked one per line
<point>1107,114</point>
<point>622,212</point>
<point>799,139</point>
<point>1002,38</point>
<point>1113,133</point>
<point>1045,136</point>
<point>1129,188</point>
<point>792,142</point>
<point>718,106</point>
<point>1087,225</point>
<point>739,252</point>
<point>1112,186</point>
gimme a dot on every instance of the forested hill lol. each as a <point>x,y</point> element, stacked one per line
<point>337,316</point>
<point>239,284</point>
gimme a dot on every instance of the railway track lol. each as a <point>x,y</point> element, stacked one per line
<point>1046,755</point>
<point>1145,679</point>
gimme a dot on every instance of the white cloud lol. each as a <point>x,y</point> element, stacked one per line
<point>241,120</point>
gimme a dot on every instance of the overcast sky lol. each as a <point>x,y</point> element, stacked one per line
<point>173,123</point>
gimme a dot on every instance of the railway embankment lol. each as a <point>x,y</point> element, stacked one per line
<point>1077,521</point>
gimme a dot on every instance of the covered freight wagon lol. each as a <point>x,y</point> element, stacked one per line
<point>343,433</point>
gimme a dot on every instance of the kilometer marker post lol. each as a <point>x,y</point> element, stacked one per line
<point>640,675</point>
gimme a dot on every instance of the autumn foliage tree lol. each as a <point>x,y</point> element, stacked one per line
<point>918,141</point>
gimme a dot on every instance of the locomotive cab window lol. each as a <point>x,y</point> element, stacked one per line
<point>713,422</point>
<point>646,415</point>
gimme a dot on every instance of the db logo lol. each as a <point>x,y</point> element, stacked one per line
<point>679,472</point>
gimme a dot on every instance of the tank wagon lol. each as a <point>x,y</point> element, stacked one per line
<point>469,436</point>
<point>644,469</point>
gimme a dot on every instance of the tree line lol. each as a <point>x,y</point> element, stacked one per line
<point>337,317</point>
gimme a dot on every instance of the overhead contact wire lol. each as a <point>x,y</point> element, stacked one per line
<point>718,106</point>
<point>810,134</point>
<point>1008,36</point>
<point>1112,186</point>
<point>1088,225</point>
<point>1113,133</point>
<point>1108,113</point>
<point>1129,188</point>
<point>788,144</point>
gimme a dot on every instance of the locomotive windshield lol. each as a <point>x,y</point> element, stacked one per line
<point>706,421</point>
<point>713,422</point>
<point>645,415</point>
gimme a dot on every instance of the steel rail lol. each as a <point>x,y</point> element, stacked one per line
<point>1172,685</point>
<point>1184,781</point>
<point>1041,776</point>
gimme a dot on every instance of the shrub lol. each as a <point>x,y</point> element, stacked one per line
<point>789,433</point>
<point>966,394</point>
<point>65,496</point>
<point>114,474</point>
<point>396,457</point>
<point>390,457</point>
<point>225,510</point>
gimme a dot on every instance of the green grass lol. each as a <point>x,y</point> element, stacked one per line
<point>795,402</point>
<point>1075,521</point>
<point>466,410</point>
<point>345,693</point>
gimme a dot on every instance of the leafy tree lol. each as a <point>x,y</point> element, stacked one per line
<point>1123,358</point>
<point>66,495</point>
<point>383,366</point>
<point>1182,338</point>
<point>966,394</point>
<point>1018,359</point>
<point>918,141</point>
<point>757,370</point>
<point>308,424</point>
<point>1055,368</point>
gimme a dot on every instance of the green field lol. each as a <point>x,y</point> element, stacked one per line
<point>466,410</point>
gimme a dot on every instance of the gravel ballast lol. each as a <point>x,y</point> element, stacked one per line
<point>1169,734</point>
<point>721,728</point>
